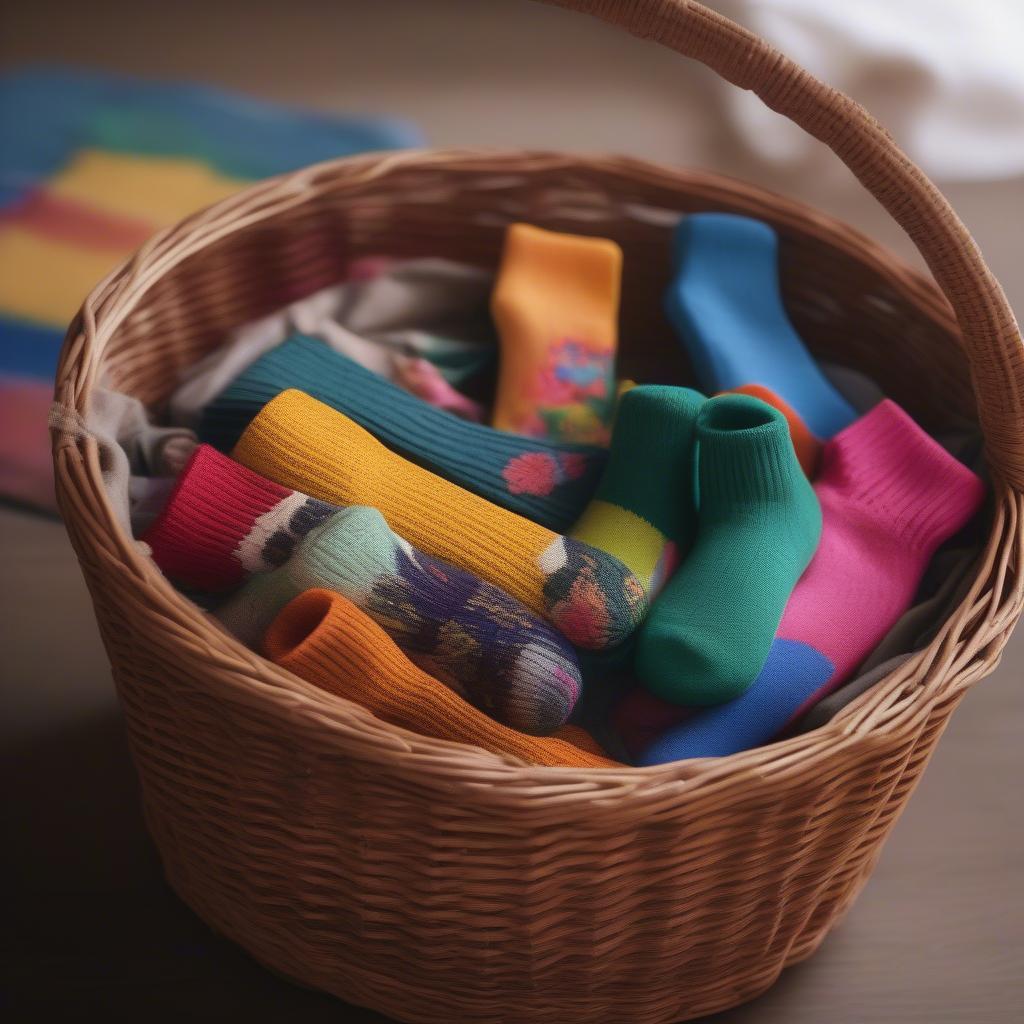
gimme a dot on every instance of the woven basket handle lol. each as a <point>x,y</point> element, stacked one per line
<point>991,336</point>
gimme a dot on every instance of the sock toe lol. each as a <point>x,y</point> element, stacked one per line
<point>692,670</point>
<point>543,690</point>
<point>592,597</point>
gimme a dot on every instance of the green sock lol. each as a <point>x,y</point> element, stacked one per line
<point>643,511</point>
<point>708,634</point>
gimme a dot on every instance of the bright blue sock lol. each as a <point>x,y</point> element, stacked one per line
<point>725,302</point>
<point>793,673</point>
<point>546,481</point>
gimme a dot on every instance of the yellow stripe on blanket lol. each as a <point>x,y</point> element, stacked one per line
<point>159,190</point>
<point>45,280</point>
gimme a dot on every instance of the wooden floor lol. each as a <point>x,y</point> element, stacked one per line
<point>937,936</point>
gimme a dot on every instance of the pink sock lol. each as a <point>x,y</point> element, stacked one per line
<point>890,495</point>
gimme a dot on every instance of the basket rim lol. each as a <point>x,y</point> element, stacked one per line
<point>964,650</point>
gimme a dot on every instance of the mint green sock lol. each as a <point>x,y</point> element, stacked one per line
<point>708,635</point>
<point>643,511</point>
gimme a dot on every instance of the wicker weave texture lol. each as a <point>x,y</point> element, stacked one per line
<point>435,882</point>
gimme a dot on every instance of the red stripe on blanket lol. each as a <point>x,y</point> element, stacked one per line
<point>65,220</point>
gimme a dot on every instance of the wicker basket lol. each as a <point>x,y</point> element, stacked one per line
<point>436,882</point>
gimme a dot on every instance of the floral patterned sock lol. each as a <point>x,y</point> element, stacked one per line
<point>556,306</point>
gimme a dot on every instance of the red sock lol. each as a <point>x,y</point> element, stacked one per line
<point>222,522</point>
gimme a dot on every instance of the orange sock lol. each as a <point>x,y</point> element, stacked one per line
<point>805,444</point>
<point>589,594</point>
<point>579,737</point>
<point>556,306</point>
<point>324,638</point>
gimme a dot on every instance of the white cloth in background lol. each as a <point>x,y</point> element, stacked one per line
<point>945,77</point>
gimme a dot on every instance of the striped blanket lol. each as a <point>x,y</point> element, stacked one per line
<point>90,166</point>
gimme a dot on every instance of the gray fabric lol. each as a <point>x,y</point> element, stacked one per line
<point>429,307</point>
<point>825,710</point>
<point>135,455</point>
<point>857,388</point>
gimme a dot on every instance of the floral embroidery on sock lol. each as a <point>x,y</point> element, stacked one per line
<point>574,394</point>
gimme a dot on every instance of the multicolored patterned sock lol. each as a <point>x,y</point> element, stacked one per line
<point>805,444</point>
<point>890,495</point>
<point>324,638</point>
<point>726,305</point>
<point>501,658</point>
<point>556,306</point>
<point>545,481</point>
<point>644,511</point>
<point>708,634</point>
<point>590,595</point>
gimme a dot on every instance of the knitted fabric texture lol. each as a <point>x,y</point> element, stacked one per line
<point>469,634</point>
<point>708,634</point>
<point>644,511</point>
<point>590,595</point>
<point>391,316</point>
<point>725,302</point>
<point>545,481</point>
<point>223,522</point>
<point>555,304</point>
<point>890,495</point>
<point>805,444</point>
<point>323,638</point>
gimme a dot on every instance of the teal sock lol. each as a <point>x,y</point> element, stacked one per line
<point>469,634</point>
<point>643,511</point>
<point>547,481</point>
<point>709,633</point>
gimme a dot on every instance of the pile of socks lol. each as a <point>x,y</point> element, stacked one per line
<point>486,554</point>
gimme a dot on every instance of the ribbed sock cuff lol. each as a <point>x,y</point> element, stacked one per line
<point>805,444</point>
<point>287,640</point>
<point>886,463</point>
<point>745,452</point>
<point>212,508</point>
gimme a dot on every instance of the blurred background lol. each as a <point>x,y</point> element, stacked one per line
<point>939,933</point>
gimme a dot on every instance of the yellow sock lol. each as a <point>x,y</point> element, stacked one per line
<point>590,595</point>
<point>556,306</point>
